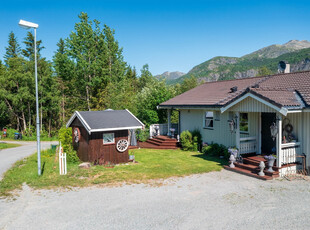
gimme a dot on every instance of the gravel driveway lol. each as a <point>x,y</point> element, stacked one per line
<point>9,156</point>
<point>217,200</point>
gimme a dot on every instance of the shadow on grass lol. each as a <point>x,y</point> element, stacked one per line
<point>42,169</point>
<point>221,161</point>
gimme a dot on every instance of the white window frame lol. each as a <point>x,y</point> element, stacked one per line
<point>208,118</point>
<point>105,134</point>
<point>241,131</point>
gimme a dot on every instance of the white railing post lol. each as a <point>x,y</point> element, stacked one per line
<point>279,141</point>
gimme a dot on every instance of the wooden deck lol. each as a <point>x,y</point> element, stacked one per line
<point>160,142</point>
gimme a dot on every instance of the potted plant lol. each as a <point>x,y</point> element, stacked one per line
<point>270,159</point>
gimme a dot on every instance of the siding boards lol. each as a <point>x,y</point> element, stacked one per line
<point>194,119</point>
<point>251,105</point>
<point>99,153</point>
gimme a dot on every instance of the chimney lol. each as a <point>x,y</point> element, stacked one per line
<point>284,67</point>
<point>288,68</point>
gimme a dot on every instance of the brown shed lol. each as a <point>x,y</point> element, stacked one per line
<point>103,136</point>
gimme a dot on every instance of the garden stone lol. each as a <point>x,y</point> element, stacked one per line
<point>85,165</point>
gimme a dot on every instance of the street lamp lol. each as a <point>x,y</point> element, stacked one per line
<point>28,25</point>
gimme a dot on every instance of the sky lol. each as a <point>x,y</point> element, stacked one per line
<point>166,35</point>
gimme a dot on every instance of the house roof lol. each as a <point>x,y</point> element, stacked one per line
<point>107,120</point>
<point>290,90</point>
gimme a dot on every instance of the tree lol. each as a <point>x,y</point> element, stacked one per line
<point>97,59</point>
<point>154,93</point>
<point>188,83</point>
<point>146,76</point>
<point>28,52</point>
<point>264,71</point>
<point>13,49</point>
<point>64,69</point>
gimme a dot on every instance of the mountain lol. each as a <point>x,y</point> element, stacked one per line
<point>294,52</point>
<point>170,75</point>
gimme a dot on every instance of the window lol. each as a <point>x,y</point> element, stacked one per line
<point>244,122</point>
<point>108,138</point>
<point>209,119</point>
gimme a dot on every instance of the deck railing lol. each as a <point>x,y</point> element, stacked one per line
<point>288,153</point>
<point>248,145</point>
<point>162,129</point>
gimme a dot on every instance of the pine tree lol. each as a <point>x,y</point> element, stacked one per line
<point>13,49</point>
<point>28,52</point>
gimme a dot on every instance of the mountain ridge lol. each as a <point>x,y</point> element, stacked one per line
<point>295,52</point>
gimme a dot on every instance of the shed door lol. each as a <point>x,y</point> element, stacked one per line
<point>268,144</point>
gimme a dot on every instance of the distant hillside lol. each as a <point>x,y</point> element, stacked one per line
<point>296,53</point>
<point>169,76</point>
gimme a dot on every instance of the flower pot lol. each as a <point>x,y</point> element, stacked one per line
<point>270,164</point>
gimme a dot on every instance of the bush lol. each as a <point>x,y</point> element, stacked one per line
<point>65,138</point>
<point>142,134</point>
<point>186,139</point>
<point>216,150</point>
<point>190,141</point>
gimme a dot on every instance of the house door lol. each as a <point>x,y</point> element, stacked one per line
<point>268,144</point>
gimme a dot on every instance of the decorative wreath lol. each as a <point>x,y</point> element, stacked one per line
<point>122,145</point>
<point>77,135</point>
<point>288,128</point>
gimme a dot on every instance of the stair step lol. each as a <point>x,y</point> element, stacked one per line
<point>248,173</point>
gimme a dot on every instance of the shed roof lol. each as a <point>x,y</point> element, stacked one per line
<point>290,90</point>
<point>107,120</point>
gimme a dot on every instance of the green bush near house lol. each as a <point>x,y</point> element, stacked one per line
<point>142,134</point>
<point>65,138</point>
<point>215,150</point>
<point>191,141</point>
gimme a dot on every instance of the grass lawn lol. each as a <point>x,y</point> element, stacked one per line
<point>152,164</point>
<point>8,145</point>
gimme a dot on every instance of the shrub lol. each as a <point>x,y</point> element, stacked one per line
<point>186,139</point>
<point>142,134</point>
<point>197,138</point>
<point>65,137</point>
<point>216,150</point>
<point>190,141</point>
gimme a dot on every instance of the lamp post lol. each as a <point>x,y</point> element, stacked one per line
<point>28,25</point>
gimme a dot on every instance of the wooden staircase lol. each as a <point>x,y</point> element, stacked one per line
<point>250,167</point>
<point>160,142</point>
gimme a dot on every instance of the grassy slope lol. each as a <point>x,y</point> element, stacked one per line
<point>8,145</point>
<point>153,164</point>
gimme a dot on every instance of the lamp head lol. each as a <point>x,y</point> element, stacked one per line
<point>27,25</point>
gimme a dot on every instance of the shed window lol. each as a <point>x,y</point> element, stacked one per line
<point>108,138</point>
<point>209,119</point>
<point>244,122</point>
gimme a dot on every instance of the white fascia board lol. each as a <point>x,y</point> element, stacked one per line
<point>195,108</point>
<point>281,110</point>
<point>83,122</point>
<point>295,111</point>
<point>115,129</point>
<point>135,117</point>
<point>78,115</point>
<point>71,119</point>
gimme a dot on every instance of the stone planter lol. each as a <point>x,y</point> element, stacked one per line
<point>270,165</point>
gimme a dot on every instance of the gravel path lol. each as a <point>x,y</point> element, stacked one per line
<point>217,200</point>
<point>9,156</point>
